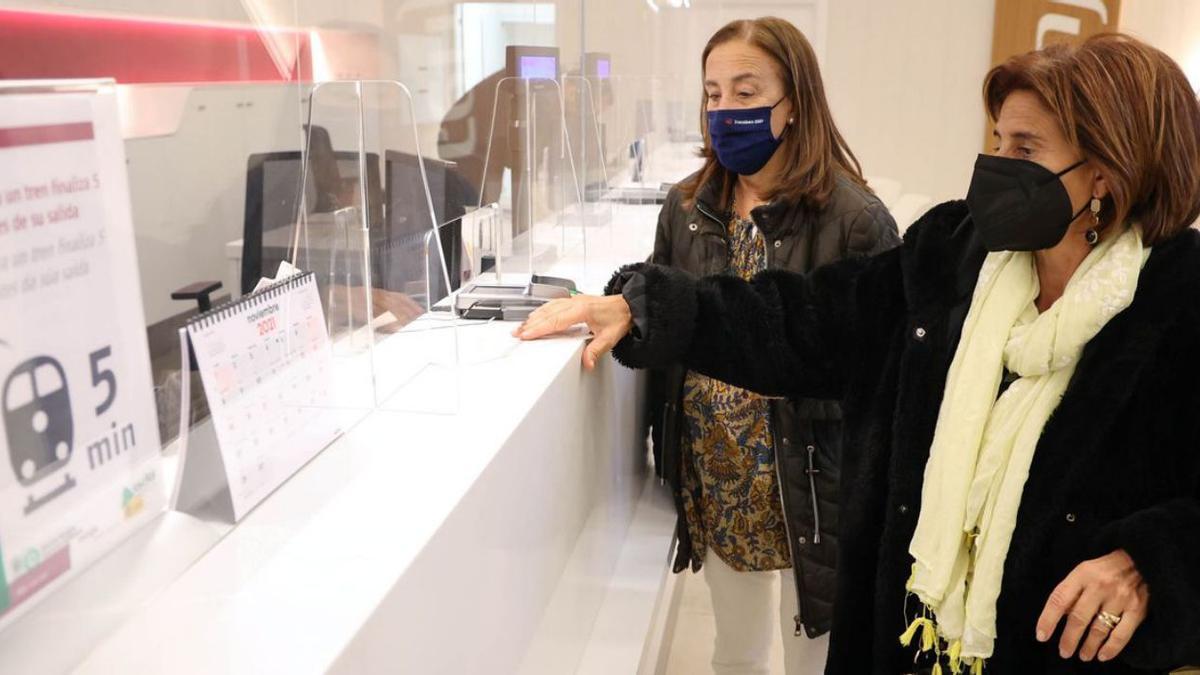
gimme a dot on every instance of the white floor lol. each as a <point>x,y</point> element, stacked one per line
<point>692,645</point>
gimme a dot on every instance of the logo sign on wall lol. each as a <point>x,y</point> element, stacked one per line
<point>1026,25</point>
<point>79,447</point>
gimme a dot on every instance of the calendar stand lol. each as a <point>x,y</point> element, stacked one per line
<point>201,488</point>
<point>266,364</point>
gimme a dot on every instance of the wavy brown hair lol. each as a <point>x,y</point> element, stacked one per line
<point>815,152</point>
<point>1129,108</point>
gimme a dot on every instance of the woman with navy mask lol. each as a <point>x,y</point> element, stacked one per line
<point>755,479</point>
<point>1019,383</point>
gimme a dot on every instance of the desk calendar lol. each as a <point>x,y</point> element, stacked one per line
<point>266,365</point>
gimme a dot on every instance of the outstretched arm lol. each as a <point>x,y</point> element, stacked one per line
<point>779,334</point>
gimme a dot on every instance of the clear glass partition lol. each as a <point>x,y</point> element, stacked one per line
<point>392,152</point>
<point>533,177</point>
<point>397,259</point>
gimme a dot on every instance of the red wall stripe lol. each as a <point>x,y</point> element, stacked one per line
<point>40,45</point>
<point>16,137</point>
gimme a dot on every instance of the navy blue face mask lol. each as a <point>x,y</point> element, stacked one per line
<point>742,138</point>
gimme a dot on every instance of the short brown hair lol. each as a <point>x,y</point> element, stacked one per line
<point>1131,111</point>
<point>815,151</point>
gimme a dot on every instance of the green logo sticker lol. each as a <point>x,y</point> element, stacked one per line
<point>5,597</point>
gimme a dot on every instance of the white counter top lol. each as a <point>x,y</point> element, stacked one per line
<point>292,586</point>
<point>487,540</point>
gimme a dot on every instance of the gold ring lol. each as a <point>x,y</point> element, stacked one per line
<point>1108,619</point>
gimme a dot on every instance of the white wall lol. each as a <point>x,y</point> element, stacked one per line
<point>903,77</point>
<point>209,10</point>
<point>904,81</point>
<point>1171,25</point>
<point>487,27</point>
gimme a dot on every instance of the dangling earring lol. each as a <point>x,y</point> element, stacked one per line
<point>1093,234</point>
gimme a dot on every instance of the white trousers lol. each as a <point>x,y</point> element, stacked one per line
<point>744,604</point>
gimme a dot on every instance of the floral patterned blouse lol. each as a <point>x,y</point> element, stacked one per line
<point>730,491</point>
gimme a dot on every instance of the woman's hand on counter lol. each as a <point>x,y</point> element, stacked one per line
<point>608,317</point>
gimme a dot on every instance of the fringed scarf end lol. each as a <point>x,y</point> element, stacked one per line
<point>930,642</point>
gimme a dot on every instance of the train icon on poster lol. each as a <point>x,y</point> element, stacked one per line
<point>37,421</point>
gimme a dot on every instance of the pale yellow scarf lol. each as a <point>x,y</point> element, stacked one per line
<point>983,446</point>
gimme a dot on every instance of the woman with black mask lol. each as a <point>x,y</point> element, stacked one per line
<point>1019,380</point>
<point>755,479</point>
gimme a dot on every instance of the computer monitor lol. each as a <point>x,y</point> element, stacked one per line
<point>597,65</point>
<point>535,68</point>
<point>273,189</point>
<point>539,67</point>
<point>407,206</point>
<point>409,223</point>
<point>530,63</point>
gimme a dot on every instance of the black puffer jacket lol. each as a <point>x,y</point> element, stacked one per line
<point>807,432</point>
<point>1117,466</point>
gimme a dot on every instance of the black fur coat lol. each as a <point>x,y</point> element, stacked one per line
<point>1117,467</point>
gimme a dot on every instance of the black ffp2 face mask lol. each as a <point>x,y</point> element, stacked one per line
<point>1019,205</point>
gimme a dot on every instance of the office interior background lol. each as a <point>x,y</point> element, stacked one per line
<point>478,554</point>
